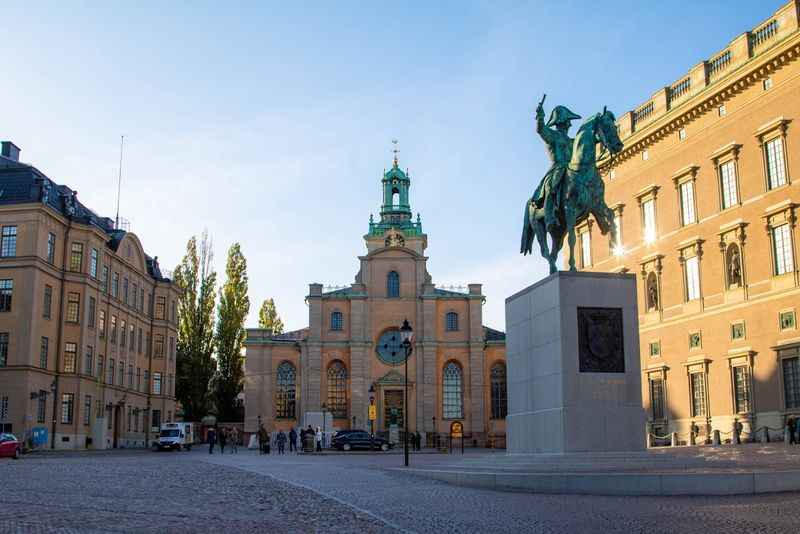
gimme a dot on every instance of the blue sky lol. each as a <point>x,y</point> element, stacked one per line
<point>270,123</point>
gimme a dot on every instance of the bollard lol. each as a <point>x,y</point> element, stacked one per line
<point>715,441</point>
<point>674,441</point>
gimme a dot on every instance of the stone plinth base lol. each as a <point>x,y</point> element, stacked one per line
<point>573,365</point>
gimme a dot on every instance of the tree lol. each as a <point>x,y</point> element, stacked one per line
<point>234,305</point>
<point>268,317</point>
<point>195,364</point>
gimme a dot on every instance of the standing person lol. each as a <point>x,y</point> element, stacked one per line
<point>234,440</point>
<point>280,439</point>
<point>212,440</point>
<point>419,441</point>
<point>262,439</point>
<point>292,440</point>
<point>223,438</point>
<point>791,426</point>
<point>318,437</point>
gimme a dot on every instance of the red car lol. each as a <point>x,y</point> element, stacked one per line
<point>9,446</point>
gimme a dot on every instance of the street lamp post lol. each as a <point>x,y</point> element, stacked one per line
<point>406,332</point>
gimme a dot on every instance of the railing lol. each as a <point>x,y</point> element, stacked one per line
<point>454,288</point>
<point>764,33</point>
<point>680,89</point>
<point>329,288</point>
<point>643,113</point>
<point>762,434</point>
<point>719,64</point>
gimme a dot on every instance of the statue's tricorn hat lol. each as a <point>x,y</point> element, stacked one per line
<point>561,114</point>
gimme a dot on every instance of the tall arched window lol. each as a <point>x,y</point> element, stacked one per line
<point>393,284</point>
<point>452,321</point>
<point>452,400</point>
<point>499,391</point>
<point>337,320</point>
<point>337,390</point>
<point>285,391</point>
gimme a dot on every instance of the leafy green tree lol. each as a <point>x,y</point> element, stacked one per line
<point>195,365</point>
<point>268,317</point>
<point>234,305</point>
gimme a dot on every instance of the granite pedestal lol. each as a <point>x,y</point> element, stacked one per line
<point>573,365</point>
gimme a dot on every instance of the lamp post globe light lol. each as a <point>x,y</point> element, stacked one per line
<point>407,334</point>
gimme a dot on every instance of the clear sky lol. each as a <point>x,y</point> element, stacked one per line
<point>270,123</point>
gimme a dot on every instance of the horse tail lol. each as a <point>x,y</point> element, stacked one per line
<point>526,246</point>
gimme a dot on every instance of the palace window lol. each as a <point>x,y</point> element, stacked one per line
<point>156,419</point>
<point>393,285</point>
<point>88,365</point>
<point>87,410</point>
<point>104,280</point>
<point>115,285</point>
<point>692,278</point>
<point>451,321</point>
<point>51,248</point>
<point>776,165</point>
<point>285,391</point>
<point>337,320</point>
<point>782,249</point>
<point>92,309</point>
<point>132,338</point>
<point>161,307</point>
<point>790,363</point>
<point>687,203</point>
<point>682,134</point>
<point>122,333</point>
<point>159,346</point>
<point>741,388</point>
<point>452,398</point>
<point>649,220</point>
<point>767,83</point>
<point>8,242</point>
<point>6,291</point>
<point>499,391</point>
<point>76,257</point>
<point>657,398</point>
<point>67,408</point>
<point>586,249</point>
<point>44,349</point>
<point>93,263</point>
<point>697,384</point>
<point>337,390</point>
<point>113,329</point>
<point>100,369</point>
<point>156,383</point>
<point>47,305</point>
<point>125,290</point>
<point>101,323</point>
<point>73,307</point>
<point>727,184</point>
<point>70,354</point>
<point>3,349</point>
<point>111,369</point>
<point>41,406</point>
<point>121,374</point>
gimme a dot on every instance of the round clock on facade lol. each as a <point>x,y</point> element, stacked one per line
<point>390,348</point>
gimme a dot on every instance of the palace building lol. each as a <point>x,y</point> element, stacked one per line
<point>350,353</point>
<point>87,321</point>
<point>706,194</point>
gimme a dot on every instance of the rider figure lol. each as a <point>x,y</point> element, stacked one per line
<point>559,147</point>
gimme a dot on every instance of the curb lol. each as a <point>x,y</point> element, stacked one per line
<point>619,484</point>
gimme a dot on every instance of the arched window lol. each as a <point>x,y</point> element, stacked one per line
<point>337,320</point>
<point>452,401</point>
<point>337,390</point>
<point>452,321</point>
<point>393,284</point>
<point>285,391</point>
<point>499,391</point>
<point>395,198</point>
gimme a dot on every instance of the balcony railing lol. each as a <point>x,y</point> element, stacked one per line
<point>719,64</point>
<point>680,89</point>
<point>764,34</point>
<point>641,114</point>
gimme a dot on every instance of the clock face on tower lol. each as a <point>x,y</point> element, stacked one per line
<point>390,348</point>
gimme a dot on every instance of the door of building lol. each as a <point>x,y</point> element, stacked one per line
<point>116,425</point>
<point>393,408</point>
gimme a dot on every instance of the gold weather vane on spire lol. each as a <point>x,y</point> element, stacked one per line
<point>396,151</point>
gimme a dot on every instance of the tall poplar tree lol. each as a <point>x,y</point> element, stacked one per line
<point>195,364</point>
<point>268,317</point>
<point>234,305</point>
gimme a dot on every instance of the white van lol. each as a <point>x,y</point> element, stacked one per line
<point>176,436</point>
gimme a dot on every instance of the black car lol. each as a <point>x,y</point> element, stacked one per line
<point>340,433</point>
<point>359,440</point>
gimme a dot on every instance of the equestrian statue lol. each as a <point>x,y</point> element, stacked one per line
<point>572,189</point>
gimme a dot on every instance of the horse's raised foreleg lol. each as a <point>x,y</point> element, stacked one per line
<point>570,221</point>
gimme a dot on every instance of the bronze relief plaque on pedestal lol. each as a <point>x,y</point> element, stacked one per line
<point>600,340</point>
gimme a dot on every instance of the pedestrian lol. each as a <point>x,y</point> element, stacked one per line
<point>791,426</point>
<point>318,436</point>
<point>234,440</point>
<point>280,440</point>
<point>292,440</point>
<point>262,440</point>
<point>419,441</point>
<point>223,438</point>
<point>212,440</point>
<point>311,437</point>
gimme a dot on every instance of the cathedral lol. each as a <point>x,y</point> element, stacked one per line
<point>350,362</point>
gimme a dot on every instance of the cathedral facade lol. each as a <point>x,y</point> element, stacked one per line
<point>350,357</point>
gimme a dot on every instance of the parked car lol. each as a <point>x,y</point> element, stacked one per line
<point>10,446</point>
<point>340,433</point>
<point>359,440</point>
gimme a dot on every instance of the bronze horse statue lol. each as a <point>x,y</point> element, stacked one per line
<point>582,193</point>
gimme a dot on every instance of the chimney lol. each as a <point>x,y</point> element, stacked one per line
<point>9,150</point>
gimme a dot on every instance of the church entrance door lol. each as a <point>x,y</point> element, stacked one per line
<point>393,408</point>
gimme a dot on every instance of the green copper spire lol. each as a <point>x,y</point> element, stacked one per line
<point>396,208</point>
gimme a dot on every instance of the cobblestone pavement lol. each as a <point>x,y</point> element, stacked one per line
<point>369,483</point>
<point>143,491</point>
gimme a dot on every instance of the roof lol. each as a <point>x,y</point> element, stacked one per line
<point>294,335</point>
<point>341,292</point>
<point>490,334</point>
<point>447,293</point>
<point>21,183</point>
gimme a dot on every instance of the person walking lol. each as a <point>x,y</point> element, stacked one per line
<point>318,437</point>
<point>262,440</point>
<point>212,440</point>
<point>418,440</point>
<point>280,440</point>
<point>791,426</point>
<point>223,438</point>
<point>234,440</point>
<point>292,440</point>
